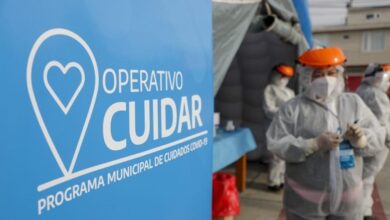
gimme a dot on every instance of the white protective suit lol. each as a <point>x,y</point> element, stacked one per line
<point>376,99</point>
<point>275,95</point>
<point>316,187</point>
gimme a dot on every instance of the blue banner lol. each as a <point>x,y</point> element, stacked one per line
<point>106,109</point>
<point>302,8</point>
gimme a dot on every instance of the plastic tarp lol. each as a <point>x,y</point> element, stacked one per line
<point>231,19</point>
<point>286,13</point>
<point>284,9</point>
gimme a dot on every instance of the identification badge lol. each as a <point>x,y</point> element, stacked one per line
<point>347,155</point>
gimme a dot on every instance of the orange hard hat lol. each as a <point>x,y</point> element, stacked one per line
<point>285,70</point>
<point>323,57</point>
<point>386,67</point>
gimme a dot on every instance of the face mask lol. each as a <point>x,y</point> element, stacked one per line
<point>283,81</point>
<point>324,86</point>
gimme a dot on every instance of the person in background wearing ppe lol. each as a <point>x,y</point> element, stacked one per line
<point>322,135</point>
<point>373,92</point>
<point>275,95</point>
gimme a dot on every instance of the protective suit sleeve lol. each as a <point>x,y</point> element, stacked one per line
<point>380,106</point>
<point>374,132</point>
<point>270,108</point>
<point>282,142</point>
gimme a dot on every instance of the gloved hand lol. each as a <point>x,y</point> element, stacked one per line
<point>328,141</point>
<point>325,141</point>
<point>356,136</point>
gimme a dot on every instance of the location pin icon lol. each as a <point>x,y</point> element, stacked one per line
<point>58,121</point>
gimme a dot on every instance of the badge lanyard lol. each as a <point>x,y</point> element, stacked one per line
<point>335,178</point>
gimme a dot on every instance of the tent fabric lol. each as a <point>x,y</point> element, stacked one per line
<point>284,9</point>
<point>253,63</point>
<point>231,19</point>
<point>243,60</point>
<point>271,50</point>
<point>286,31</point>
<point>228,101</point>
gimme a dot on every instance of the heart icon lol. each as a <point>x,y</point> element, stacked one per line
<point>93,79</point>
<point>64,107</point>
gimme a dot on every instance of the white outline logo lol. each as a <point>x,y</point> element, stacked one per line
<point>64,70</point>
<point>69,174</point>
<point>65,108</point>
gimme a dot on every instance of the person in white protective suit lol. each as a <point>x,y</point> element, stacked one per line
<point>373,92</point>
<point>275,95</point>
<point>322,135</point>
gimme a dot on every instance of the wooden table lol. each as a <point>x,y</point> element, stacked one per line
<point>241,174</point>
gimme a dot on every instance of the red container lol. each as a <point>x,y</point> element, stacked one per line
<point>226,200</point>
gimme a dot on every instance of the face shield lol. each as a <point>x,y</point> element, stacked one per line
<point>377,76</point>
<point>383,80</point>
<point>317,60</point>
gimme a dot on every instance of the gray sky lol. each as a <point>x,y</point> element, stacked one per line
<point>334,12</point>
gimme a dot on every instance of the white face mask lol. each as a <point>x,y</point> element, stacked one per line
<point>323,86</point>
<point>283,81</point>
